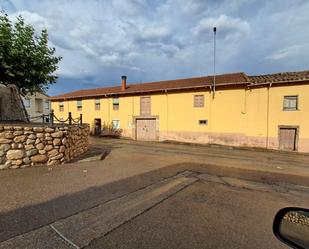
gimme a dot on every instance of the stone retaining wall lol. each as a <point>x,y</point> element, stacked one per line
<point>23,146</point>
<point>297,218</point>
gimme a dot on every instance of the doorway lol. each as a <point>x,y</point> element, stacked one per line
<point>97,126</point>
<point>146,129</point>
<point>288,138</point>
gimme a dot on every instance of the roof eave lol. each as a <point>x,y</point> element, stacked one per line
<point>146,91</point>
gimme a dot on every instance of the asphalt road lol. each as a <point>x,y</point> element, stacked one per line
<point>146,200</point>
<point>186,210</point>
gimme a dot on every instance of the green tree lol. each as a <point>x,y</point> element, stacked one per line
<point>26,60</point>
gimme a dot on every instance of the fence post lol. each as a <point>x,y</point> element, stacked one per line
<point>70,118</point>
<point>43,118</point>
<point>51,117</point>
<point>81,119</point>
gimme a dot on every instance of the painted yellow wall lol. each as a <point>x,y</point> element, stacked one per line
<point>244,116</point>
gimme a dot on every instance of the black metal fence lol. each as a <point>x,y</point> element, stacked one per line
<point>52,119</point>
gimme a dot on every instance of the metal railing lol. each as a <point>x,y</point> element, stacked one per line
<point>52,119</point>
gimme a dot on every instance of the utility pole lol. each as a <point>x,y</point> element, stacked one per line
<point>214,75</point>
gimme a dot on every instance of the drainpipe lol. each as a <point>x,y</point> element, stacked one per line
<point>166,111</point>
<point>267,117</point>
<point>108,105</point>
<point>210,113</point>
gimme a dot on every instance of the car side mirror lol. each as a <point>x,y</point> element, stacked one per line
<point>291,226</point>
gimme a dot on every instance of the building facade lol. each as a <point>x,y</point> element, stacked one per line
<point>36,105</point>
<point>268,111</point>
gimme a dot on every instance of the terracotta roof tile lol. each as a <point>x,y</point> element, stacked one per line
<point>280,77</point>
<point>224,79</point>
<point>189,83</point>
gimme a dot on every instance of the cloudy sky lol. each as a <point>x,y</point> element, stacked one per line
<point>100,40</point>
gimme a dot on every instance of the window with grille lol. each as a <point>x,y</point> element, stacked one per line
<point>115,103</point>
<point>97,104</point>
<point>79,105</point>
<point>290,103</point>
<point>61,106</point>
<point>198,100</point>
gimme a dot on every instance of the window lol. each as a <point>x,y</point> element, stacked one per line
<point>46,105</point>
<point>79,105</point>
<point>97,104</point>
<point>145,106</point>
<point>116,104</point>
<point>61,106</point>
<point>198,100</point>
<point>116,124</point>
<point>27,103</point>
<point>38,105</point>
<point>203,122</point>
<point>290,103</point>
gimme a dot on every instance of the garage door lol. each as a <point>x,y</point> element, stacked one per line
<point>146,129</point>
<point>287,139</point>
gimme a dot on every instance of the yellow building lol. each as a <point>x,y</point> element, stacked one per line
<point>269,111</point>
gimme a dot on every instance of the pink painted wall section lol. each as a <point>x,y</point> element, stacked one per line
<point>231,139</point>
<point>185,136</point>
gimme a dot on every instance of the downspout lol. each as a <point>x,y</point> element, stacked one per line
<point>210,113</point>
<point>244,110</point>
<point>109,118</point>
<point>267,117</point>
<point>133,121</point>
<point>166,112</point>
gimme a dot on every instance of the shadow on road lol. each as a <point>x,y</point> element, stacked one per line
<point>28,218</point>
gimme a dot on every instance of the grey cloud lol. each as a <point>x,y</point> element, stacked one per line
<point>225,24</point>
<point>166,39</point>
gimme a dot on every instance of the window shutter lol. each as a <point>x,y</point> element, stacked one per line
<point>198,100</point>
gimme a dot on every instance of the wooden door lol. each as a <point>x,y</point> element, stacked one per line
<point>287,139</point>
<point>146,129</point>
<point>145,106</point>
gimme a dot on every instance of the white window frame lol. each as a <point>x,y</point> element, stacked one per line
<point>115,103</point>
<point>288,103</point>
<point>97,104</point>
<point>47,105</point>
<point>79,104</point>
<point>116,124</point>
<point>61,106</point>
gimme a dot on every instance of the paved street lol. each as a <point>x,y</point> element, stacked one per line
<point>150,195</point>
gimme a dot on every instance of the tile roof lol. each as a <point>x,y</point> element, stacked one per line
<point>224,79</point>
<point>189,83</point>
<point>280,77</point>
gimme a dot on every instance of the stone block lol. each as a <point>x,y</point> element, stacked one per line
<point>40,146</point>
<point>57,134</point>
<point>15,154</point>
<point>31,152</point>
<point>39,158</point>
<point>5,141</point>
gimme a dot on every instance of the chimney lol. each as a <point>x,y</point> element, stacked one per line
<point>123,82</point>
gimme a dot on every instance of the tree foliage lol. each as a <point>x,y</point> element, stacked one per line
<point>26,60</point>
